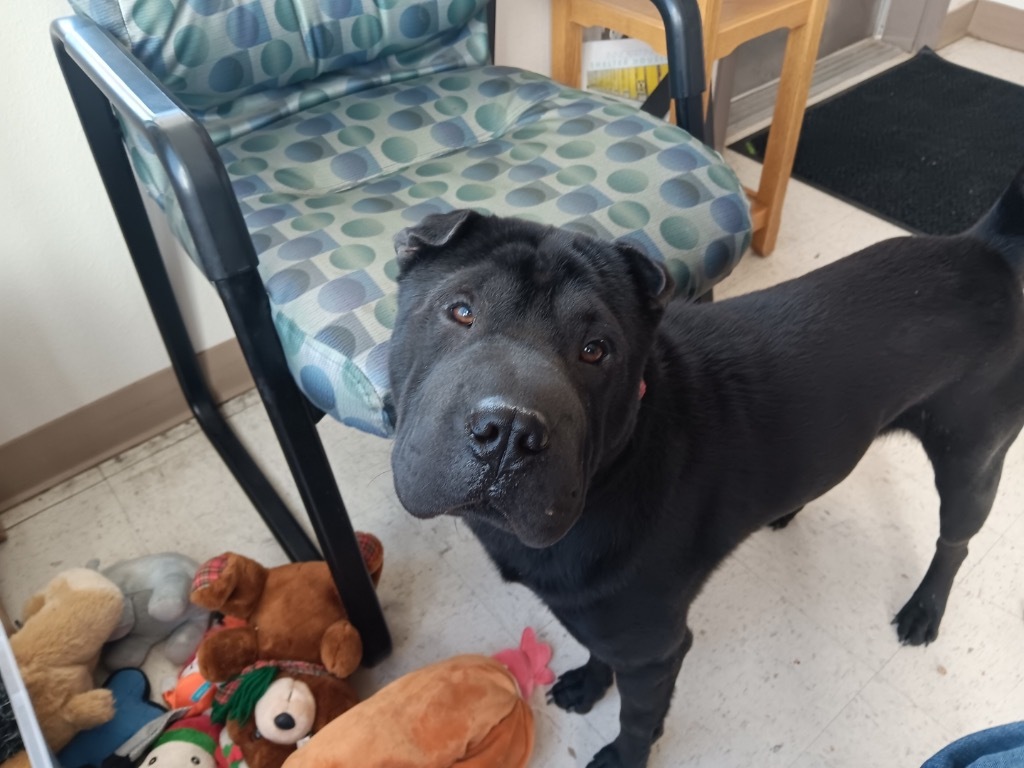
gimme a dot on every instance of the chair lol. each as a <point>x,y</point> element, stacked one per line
<point>287,141</point>
<point>727,25</point>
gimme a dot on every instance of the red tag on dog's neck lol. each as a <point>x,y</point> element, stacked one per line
<point>643,388</point>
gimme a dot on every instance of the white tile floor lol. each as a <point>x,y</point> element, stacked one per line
<point>795,663</point>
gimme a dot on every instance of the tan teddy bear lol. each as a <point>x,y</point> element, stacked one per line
<point>57,650</point>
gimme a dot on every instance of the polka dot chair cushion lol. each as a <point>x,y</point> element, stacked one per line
<point>241,64</point>
<point>324,189</point>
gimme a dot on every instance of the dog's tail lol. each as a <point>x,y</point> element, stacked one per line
<point>1003,226</point>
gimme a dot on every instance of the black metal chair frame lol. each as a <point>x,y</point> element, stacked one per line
<point>102,78</point>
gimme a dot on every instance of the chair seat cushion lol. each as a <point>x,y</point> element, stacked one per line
<point>325,190</point>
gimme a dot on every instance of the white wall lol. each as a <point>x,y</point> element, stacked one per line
<point>524,34</point>
<point>74,325</point>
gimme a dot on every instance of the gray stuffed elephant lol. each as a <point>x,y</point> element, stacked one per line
<point>156,608</point>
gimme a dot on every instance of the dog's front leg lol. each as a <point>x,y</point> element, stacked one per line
<point>645,691</point>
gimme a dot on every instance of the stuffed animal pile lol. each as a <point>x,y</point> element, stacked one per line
<point>267,653</point>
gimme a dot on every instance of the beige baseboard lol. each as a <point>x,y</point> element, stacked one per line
<point>956,25</point>
<point>61,449</point>
<point>998,23</point>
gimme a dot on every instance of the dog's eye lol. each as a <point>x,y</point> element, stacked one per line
<point>462,314</point>
<point>593,351</point>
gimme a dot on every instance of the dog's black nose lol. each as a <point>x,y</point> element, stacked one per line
<point>497,429</point>
<point>284,721</point>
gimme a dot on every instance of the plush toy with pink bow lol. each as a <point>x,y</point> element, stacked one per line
<point>469,711</point>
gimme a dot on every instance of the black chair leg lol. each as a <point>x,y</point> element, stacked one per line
<point>275,513</point>
<point>104,136</point>
<point>245,299</point>
<point>291,414</point>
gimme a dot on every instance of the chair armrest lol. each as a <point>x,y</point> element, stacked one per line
<point>684,40</point>
<point>182,145</point>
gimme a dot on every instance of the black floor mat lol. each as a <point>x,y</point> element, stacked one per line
<point>928,145</point>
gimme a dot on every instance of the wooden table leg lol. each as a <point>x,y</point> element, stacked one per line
<point>566,45</point>
<point>794,85</point>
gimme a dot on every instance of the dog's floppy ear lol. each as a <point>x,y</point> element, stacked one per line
<point>653,276</point>
<point>433,231</point>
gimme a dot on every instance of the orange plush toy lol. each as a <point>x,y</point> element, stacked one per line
<point>468,711</point>
<point>190,689</point>
<point>293,613</point>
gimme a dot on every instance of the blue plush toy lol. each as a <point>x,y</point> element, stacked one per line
<point>133,710</point>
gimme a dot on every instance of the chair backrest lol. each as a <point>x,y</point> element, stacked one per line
<point>238,64</point>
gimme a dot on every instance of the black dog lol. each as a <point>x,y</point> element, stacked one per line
<point>610,446</point>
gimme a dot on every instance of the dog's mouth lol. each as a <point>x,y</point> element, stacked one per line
<point>536,523</point>
<point>534,526</point>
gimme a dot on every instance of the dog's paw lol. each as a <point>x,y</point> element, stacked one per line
<point>608,757</point>
<point>611,756</point>
<point>917,623</point>
<point>578,690</point>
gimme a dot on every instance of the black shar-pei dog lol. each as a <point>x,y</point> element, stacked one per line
<point>609,445</point>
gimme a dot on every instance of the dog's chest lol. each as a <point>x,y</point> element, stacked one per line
<point>552,573</point>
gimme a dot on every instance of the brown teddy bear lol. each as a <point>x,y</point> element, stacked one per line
<point>273,708</point>
<point>293,613</point>
<point>57,650</point>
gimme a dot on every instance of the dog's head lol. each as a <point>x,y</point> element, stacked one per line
<point>516,367</point>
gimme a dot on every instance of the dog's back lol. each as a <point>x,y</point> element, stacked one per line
<point>1002,227</point>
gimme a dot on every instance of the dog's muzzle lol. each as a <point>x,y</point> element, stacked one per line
<point>511,456</point>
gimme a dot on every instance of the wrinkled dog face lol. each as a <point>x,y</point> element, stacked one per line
<point>515,367</point>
